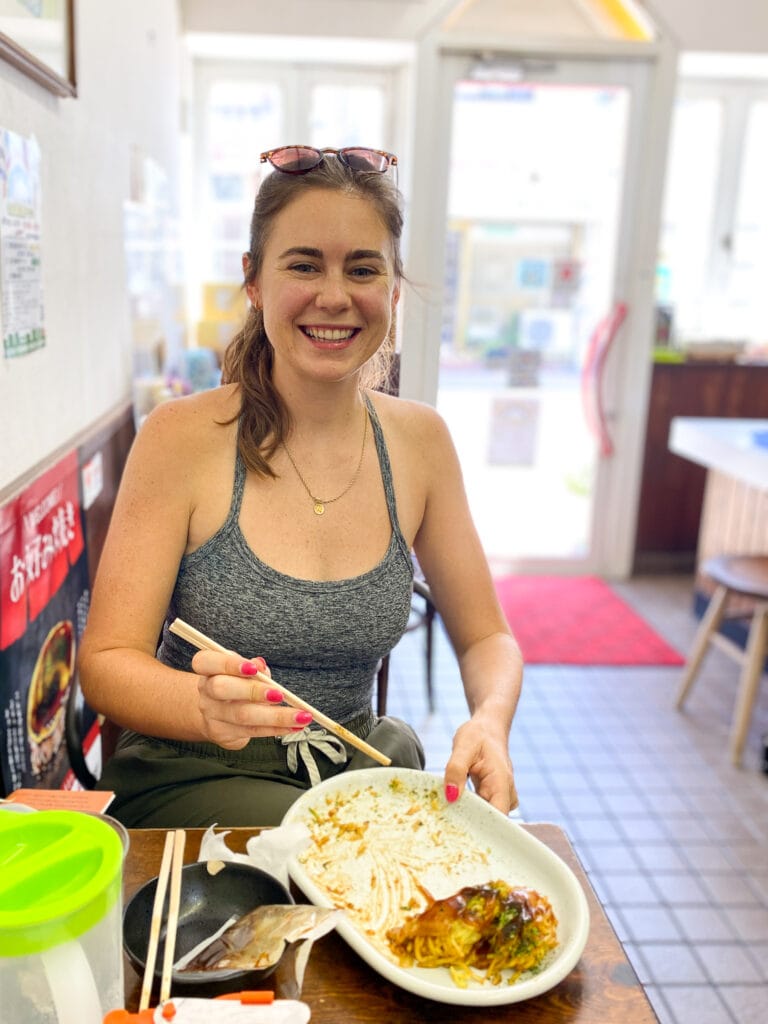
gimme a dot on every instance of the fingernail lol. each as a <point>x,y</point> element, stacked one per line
<point>260,664</point>
<point>248,669</point>
<point>303,717</point>
<point>451,793</point>
<point>275,696</point>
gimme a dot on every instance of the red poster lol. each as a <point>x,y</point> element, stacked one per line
<point>41,537</point>
<point>44,599</point>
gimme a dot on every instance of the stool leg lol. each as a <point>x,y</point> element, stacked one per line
<point>757,645</point>
<point>709,625</point>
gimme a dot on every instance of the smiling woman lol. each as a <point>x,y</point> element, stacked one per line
<point>337,296</point>
<point>324,201</point>
<point>277,515</point>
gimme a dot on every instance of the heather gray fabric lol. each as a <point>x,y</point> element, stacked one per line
<point>322,640</point>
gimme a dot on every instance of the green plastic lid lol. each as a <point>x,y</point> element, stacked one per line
<point>60,874</point>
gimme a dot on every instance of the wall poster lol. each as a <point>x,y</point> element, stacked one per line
<point>21,284</point>
<point>44,596</point>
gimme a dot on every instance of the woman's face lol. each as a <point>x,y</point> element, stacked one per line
<point>327,286</point>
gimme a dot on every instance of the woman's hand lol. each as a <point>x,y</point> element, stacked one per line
<point>236,706</point>
<point>481,753</point>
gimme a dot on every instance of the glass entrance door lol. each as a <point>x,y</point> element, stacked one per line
<point>537,188</point>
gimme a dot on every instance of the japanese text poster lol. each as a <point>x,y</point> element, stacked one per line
<point>43,607</point>
<point>21,287</point>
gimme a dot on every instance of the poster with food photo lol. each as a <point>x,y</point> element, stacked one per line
<point>44,594</point>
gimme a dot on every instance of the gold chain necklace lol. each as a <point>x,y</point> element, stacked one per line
<point>318,504</point>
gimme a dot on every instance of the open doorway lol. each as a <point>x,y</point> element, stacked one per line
<point>537,192</point>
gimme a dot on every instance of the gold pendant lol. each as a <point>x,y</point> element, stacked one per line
<point>319,508</point>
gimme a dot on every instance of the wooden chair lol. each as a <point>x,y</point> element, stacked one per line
<point>79,723</point>
<point>421,616</point>
<point>742,579</point>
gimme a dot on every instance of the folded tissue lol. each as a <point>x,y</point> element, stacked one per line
<point>270,850</point>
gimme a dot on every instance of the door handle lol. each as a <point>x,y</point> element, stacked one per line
<point>598,347</point>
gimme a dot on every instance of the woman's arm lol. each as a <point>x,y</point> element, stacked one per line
<point>147,538</point>
<point>490,663</point>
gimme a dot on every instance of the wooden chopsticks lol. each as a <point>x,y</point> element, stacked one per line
<point>170,866</point>
<point>202,642</point>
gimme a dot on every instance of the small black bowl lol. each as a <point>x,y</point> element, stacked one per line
<point>207,901</point>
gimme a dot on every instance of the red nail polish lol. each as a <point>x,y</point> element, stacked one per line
<point>451,793</point>
<point>274,696</point>
<point>260,664</point>
<point>247,669</point>
<point>303,717</point>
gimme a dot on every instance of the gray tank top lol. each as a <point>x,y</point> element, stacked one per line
<point>323,640</point>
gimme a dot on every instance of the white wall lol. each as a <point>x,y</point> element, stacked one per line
<point>128,59</point>
<point>373,19</point>
<point>726,26</point>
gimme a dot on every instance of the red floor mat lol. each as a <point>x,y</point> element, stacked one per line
<point>578,620</point>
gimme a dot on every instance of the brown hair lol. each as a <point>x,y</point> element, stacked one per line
<point>264,419</point>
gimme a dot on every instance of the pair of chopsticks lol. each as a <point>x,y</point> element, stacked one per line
<point>171,865</point>
<point>202,642</point>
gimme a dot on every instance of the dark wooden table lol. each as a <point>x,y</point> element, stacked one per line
<point>340,987</point>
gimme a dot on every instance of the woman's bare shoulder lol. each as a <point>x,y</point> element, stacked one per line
<point>194,421</point>
<point>412,421</point>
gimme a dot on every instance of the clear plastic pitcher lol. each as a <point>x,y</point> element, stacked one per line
<point>60,918</point>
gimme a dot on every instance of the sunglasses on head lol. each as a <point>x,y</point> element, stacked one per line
<point>301,159</point>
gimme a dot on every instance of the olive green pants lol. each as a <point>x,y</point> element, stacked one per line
<point>169,784</point>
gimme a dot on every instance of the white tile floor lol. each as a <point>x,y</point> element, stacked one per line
<point>674,838</point>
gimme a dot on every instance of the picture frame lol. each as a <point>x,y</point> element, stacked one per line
<point>37,37</point>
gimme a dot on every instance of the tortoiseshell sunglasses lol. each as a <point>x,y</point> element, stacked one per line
<point>302,159</point>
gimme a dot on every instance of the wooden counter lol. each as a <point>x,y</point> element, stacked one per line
<point>672,486</point>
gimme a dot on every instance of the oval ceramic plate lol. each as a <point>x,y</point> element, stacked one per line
<point>380,833</point>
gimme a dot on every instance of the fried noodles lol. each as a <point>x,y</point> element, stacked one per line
<point>490,928</point>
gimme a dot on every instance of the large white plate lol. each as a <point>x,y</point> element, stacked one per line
<point>448,846</point>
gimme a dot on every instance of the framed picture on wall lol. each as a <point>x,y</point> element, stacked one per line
<point>38,38</point>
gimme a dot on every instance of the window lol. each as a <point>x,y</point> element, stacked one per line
<point>242,119</point>
<point>713,247</point>
<point>354,112</point>
<point>749,256</point>
<point>243,110</point>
